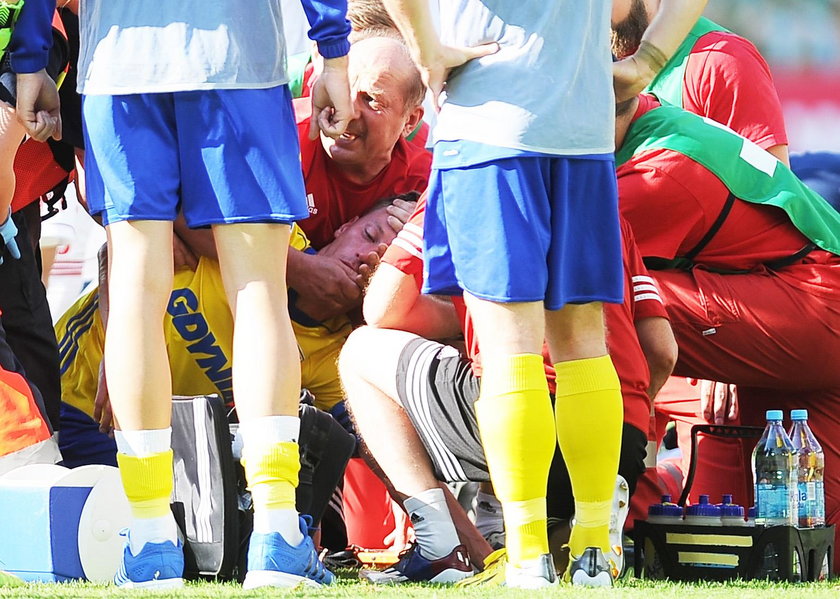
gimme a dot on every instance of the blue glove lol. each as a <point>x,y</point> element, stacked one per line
<point>8,231</point>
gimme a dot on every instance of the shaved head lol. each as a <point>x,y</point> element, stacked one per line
<point>389,56</point>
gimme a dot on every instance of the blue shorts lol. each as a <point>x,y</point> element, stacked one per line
<point>525,229</point>
<point>80,441</point>
<point>220,156</point>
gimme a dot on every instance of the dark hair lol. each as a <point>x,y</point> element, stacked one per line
<point>411,196</point>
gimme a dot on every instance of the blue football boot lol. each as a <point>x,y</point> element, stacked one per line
<point>414,567</point>
<point>157,566</point>
<point>273,562</point>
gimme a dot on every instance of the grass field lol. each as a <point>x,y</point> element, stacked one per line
<point>346,588</point>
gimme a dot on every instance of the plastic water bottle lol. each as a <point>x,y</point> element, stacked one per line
<point>703,513</point>
<point>775,475</point>
<point>811,466</point>
<point>666,512</point>
<point>731,514</point>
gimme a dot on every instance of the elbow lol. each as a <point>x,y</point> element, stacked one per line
<point>378,311</point>
<point>663,359</point>
<point>375,314</point>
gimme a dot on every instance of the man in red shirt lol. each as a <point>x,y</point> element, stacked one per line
<point>372,160</point>
<point>412,398</point>
<point>720,75</point>
<point>345,177</point>
<point>723,75</point>
<point>750,272</point>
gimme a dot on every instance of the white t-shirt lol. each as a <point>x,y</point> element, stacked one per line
<point>148,46</point>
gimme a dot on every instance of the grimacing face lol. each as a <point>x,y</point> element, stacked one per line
<point>378,85</point>
<point>356,239</point>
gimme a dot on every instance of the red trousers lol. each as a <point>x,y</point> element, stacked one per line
<point>775,334</point>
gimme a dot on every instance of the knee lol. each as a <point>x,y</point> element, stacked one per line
<point>352,360</point>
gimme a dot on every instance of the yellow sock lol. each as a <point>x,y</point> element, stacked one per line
<point>147,482</point>
<point>589,413</point>
<point>517,431</point>
<point>272,474</point>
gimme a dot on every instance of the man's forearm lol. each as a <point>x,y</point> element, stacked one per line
<point>393,301</point>
<point>414,21</point>
<point>429,317</point>
<point>295,268</point>
<point>199,241</point>
<point>660,348</point>
<point>671,24</point>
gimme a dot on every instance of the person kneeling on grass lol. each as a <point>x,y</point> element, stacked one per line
<point>413,402</point>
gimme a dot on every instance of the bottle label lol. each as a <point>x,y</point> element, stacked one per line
<point>819,503</point>
<point>807,500</point>
<point>772,502</point>
<point>811,503</point>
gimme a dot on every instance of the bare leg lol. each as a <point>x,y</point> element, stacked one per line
<point>139,284</point>
<point>266,364</point>
<point>368,365</point>
<point>266,379</point>
<point>140,385</point>
<point>576,332</point>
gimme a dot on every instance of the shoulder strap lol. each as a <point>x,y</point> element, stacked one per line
<point>713,230</point>
<point>686,261</point>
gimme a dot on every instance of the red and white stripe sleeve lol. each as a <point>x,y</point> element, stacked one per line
<point>647,301</point>
<point>406,251</point>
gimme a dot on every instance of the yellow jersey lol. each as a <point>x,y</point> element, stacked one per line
<point>198,328</point>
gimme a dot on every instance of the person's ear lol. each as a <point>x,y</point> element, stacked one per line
<point>344,227</point>
<point>413,119</point>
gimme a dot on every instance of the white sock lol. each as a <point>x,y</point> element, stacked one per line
<point>269,430</point>
<point>139,444</point>
<point>488,514</point>
<point>433,527</point>
<point>286,522</point>
<point>152,530</point>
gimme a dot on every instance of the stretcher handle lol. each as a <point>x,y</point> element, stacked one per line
<point>714,430</point>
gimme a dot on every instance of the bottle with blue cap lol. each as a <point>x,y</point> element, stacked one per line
<point>703,513</point>
<point>751,516</point>
<point>775,476</point>
<point>666,512</point>
<point>810,471</point>
<point>731,514</point>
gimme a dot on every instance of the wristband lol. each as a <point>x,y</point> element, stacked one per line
<point>653,57</point>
